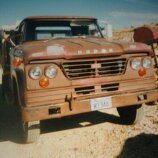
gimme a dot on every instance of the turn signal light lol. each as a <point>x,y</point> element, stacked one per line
<point>142,72</point>
<point>17,62</point>
<point>44,82</point>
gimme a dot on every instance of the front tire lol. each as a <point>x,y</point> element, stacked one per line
<point>131,114</point>
<point>31,131</point>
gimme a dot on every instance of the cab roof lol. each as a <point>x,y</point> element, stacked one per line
<point>59,17</point>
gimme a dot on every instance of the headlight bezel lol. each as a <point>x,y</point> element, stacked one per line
<point>47,69</point>
<point>139,63</point>
<point>149,60</point>
<point>33,76</point>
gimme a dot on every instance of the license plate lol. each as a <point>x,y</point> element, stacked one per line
<point>101,103</point>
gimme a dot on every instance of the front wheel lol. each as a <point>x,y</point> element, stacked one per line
<point>30,131</point>
<point>131,114</point>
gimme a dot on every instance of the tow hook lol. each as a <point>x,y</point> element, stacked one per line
<point>69,100</point>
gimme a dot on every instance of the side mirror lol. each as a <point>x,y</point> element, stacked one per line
<point>11,37</point>
<point>107,31</point>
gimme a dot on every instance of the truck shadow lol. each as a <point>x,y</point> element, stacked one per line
<point>9,130</point>
<point>78,121</point>
<point>140,146</point>
<point>8,121</point>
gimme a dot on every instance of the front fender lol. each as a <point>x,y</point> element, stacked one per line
<point>19,81</point>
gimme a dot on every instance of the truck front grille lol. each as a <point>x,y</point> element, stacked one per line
<point>94,68</point>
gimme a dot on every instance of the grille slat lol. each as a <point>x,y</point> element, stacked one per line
<point>76,65</point>
<point>85,63</point>
<point>80,73</point>
<point>110,74</point>
<point>95,67</point>
<point>110,62</point>
<point>108,67</point>
<point>79,69</point>
<point>106,71</point>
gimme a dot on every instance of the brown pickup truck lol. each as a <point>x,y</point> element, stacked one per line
<point>55,66</point>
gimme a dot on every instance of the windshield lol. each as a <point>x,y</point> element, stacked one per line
<point>50,29</point>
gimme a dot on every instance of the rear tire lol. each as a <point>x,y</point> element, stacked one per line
<point>131,114</point>
<point>31,131</point>
<point>6,90</point>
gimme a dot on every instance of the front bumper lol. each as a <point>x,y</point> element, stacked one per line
<point>73,107</point>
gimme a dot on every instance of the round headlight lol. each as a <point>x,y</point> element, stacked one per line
<point>136,64</point>
<point>35,73</point>
<point>147,63</point>
<point>51,72</point>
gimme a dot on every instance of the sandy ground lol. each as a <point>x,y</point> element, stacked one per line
<point>93,135</point>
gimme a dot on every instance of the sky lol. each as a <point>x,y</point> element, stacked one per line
<point>118,13</point>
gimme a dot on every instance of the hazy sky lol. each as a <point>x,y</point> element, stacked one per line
<point>119,13</point>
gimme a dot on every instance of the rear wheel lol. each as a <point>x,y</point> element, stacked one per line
<point>6,89</point>
<point>131,114</point>
<point>31,131</point>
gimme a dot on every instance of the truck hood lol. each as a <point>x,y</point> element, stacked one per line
<point>71,48</point>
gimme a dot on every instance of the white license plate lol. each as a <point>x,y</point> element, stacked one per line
<point>101,103</point>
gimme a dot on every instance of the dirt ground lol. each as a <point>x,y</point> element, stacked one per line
<point>92,135</point>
